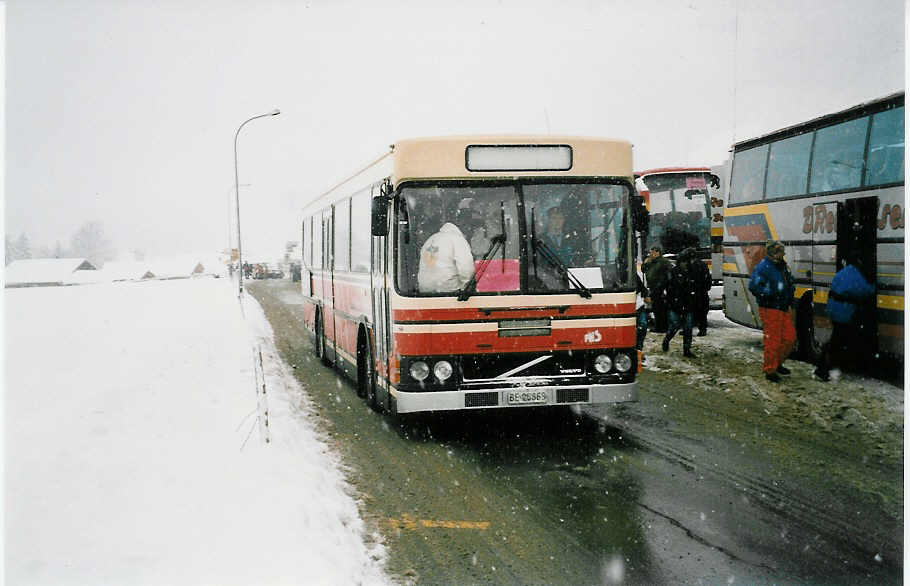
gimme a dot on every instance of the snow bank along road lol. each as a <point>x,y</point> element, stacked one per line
<point>132,454</point>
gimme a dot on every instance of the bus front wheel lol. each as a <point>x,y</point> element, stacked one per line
<point>366,373</point>
<point>319,343</point>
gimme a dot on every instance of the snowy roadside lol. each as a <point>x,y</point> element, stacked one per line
<point>729,361</point>
<point>132,454</point>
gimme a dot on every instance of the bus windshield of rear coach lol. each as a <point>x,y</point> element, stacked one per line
<point>680,211</point>
<point>470,239</point>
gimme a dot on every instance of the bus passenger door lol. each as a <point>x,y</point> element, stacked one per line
<point>378,284</point>
<point>857,235</point>
<point>328,283</point>
<point>812,327</point>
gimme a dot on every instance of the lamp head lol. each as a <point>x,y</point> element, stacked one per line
<point>275,112</point>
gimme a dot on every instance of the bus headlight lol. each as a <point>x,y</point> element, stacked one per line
<point>442,370</point>
<point>602,363</point>
<point>623,362</point>
<point>419,370</point>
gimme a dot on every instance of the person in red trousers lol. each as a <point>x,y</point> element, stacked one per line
<point>772,285</point>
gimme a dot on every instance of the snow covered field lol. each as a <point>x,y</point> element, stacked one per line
<point>133,455</point>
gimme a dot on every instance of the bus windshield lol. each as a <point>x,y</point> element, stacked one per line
<point>680,210</point>
<point>573,238</point>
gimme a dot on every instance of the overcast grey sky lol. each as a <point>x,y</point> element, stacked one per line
<point>125,111</point>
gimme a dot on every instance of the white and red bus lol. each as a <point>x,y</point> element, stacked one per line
<point>531,326</point>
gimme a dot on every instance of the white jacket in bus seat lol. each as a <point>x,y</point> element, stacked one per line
<point>446,262</point>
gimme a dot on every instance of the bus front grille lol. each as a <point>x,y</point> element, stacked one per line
<point>481,399</point>
<point>571,395</point>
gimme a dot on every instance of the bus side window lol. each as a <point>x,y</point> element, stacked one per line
<point>360,235</point>
<point>317,226</point>
<point>837,159</point>
<point>342,248</point>
<point>749,175</point>
<point>788,166</point>
<point>886,148</point>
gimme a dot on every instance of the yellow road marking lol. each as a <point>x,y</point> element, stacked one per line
<point>409,522</point>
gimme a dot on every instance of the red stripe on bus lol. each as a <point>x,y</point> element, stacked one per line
<point>490,342</point>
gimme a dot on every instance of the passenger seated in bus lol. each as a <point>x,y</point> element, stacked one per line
<point>446,263</point>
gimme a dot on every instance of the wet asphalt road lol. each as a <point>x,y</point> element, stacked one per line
<point>545,496</point>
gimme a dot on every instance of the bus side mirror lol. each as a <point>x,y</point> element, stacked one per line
<point>379,213</point>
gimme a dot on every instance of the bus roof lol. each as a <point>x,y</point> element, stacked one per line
<point>672,170</point>
<point>887,102</point>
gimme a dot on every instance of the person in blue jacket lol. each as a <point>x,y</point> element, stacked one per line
<point>848,297</point>
<point>772,285</point>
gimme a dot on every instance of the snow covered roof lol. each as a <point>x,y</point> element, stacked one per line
<point>45,271</point>
<point>187,266</point>
<point>127,270</point>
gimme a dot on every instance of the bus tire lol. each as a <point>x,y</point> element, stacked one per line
<point>806,347</point>
<point>317,351</point>
<point>366,372</point>
<point>320,342</point>
<point>370,389</point>
<point>363,368</point>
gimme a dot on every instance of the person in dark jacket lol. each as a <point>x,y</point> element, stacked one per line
<point>848,297</point>
<point>702,277</point>
<point>772,285</point>
<point>657,273</point>
<point>681,294</point>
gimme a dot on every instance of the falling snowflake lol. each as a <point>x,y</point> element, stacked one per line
<point>613,570</point>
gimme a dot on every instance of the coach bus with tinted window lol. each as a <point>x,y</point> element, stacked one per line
<point>479,272</point>
<point>830,189</point>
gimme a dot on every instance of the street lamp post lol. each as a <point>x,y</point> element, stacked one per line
<point>230,246</point>
<point>274,112</point>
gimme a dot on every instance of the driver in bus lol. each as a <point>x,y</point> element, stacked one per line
<point>565,242</point>
<point>446,263</point>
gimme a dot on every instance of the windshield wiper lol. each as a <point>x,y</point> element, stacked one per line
<point>496,242</point>
<point>551,257</point>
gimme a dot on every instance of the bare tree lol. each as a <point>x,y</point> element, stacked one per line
<point>18,249</point>
<point>89,242</point>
